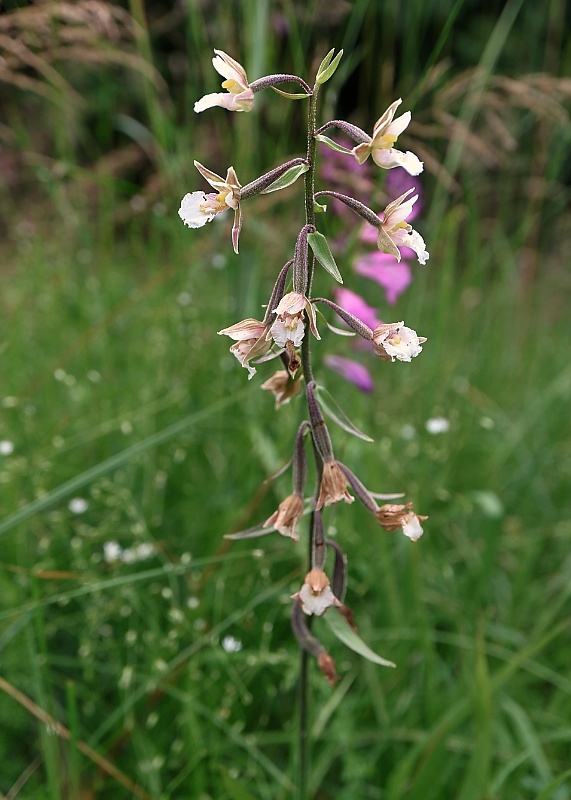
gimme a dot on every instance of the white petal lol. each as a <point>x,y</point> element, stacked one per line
<point>398,125</point>
<point>404,346</point>
<point>293,332</point>
<point>191,210</point>
<point>208,101</point>
<point>395,158</point>
<point>415,241</point>
<point>412,528</point>
<point>316,603</point>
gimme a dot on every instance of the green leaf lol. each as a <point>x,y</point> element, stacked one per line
<point>345,633</point>
<point>334,412</point>
<point>333,145</point>
<point>318,244</point>
<point>319,208</point>
<point>327,67</point>
<point>291,95</point>
<point>289,177</point>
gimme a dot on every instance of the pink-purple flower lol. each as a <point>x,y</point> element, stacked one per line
<point>393,277</point>
<point>352,371</point>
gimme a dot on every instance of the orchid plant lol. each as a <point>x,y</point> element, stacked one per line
<point>290,322</point>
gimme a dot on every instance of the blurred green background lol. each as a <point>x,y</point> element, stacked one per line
<point>131,441</point>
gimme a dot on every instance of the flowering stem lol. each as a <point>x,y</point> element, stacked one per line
<point>309,179</point>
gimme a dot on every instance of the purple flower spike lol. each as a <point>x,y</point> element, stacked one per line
<point>352,371</point>
<point>354,304</point>
<point>393,277</point>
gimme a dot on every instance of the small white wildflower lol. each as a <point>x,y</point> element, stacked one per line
<point>112,551</point>
<point>231,645</point>
<point>6,447</point>
<point>437,425</point>
<point>78,505</point>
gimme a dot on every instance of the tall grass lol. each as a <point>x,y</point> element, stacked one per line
<point>123,419</point>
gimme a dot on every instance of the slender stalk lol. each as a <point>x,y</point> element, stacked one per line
<point>309,180</point>
<point>304,755</point>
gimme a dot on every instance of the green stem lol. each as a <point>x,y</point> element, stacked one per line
<point>309,180</point>
<point>304,756</point>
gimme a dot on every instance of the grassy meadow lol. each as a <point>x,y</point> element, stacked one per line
<point>142,655</point>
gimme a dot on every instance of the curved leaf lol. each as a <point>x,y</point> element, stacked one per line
<point>334,412</point>
<point>290,176</point>
<point>251,533</point>
<point>291,95</point>
<point>323,254</point>
<point>333,145</point>
<point>345,633</point>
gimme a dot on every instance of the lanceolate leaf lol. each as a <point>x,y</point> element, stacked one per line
<point>289,177</point>
<point>345,633</point>
<point>328,67</point>
<point>291,95</point>
<point>331,408</point>
<point>323,254</point>
<point>333,145</point>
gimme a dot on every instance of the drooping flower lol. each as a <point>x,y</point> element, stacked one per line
<point>289,325</point>
<point>282,386</point>
<point>316,595</point>
<point>288,514</point>
<point>395,341</point>
<point>393,517</point>
<point>352,371</point>
<point>251,340</point>
<point>198,208</point>
<point>238,97</point>
<point>380,147</point>
<point>381,268</point>
<point>396,232</point>
<point>333,486</point>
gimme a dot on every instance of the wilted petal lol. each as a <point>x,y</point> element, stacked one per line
<point>288,514</point>
<point>333,486</point>
<point>282,386</point>
<point>392,517</point>
<point>245,329</point>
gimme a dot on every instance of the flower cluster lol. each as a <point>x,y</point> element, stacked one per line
<point>291,315</point>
